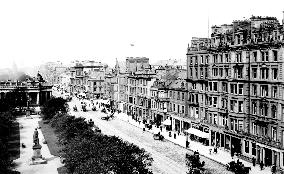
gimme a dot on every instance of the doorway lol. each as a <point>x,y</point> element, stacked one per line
<point>236,144</point>
<point>268,157</point>
<point>159,119</point>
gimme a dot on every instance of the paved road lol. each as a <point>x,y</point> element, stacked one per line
<point>168,157</point>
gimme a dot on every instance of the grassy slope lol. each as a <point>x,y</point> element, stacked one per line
<point>51,139</point>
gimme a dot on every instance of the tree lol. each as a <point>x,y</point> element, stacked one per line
<point>102,153</point>
<point>4,158</point>
<point>68,127</point>
<point>6,121</point>
<point>194,164</point>
<point>54,106</point>
<point>88,152</point>
<point>15,98</point>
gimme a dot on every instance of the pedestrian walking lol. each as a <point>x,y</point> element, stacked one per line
<point>261,165</point>
<point>253,161</point>
<point>232,154</point>
<point>210,150</point>
<point>215,149</point>
<point>273,169</point>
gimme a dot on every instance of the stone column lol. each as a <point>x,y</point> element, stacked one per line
<point>262,155</point>
<point>272,156</point>
<point>37,98</point>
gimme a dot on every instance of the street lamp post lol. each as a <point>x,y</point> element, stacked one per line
<point>28,109</point>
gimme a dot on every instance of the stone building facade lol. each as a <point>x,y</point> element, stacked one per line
<point>88,78</point>
<point>37,90</point>
<point>235,84</point>
<point>134,64</point>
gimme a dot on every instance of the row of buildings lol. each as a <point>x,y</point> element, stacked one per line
<point>229,94</point>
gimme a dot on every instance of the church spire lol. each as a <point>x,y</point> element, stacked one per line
<point>117,69</point>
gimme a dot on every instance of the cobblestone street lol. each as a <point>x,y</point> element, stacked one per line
<point>168,157</point>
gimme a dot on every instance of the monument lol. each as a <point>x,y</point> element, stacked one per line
<point>37,157</point>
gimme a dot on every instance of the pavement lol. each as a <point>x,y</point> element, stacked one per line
<point>169,164</point>
<point>26,136</point>
<point>222,157</point>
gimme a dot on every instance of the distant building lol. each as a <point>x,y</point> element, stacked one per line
<point>88,77</point>
<point>138,94</point>
<point>134,64</point>
<point>51,71</point>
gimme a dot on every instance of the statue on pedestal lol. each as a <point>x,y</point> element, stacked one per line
<point>37,157</point>
<point>36,146</point>
<point>35,137</point>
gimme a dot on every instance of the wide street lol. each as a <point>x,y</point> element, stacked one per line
<point>168,157</point>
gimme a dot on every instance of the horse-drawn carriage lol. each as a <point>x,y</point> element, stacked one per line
<point>110,116</point>
<point>237,167</point>
<point>105,118</point>
<point>158,136</point>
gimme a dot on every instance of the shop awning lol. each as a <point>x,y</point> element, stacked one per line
<point>198,133</point>
<point>167,122</point>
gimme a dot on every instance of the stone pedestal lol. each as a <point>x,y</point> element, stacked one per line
<point>37,157</point>
<point>37,151</point>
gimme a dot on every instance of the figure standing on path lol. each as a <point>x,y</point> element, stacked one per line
<point>215,149</point>
<point>273,169</point>
<point>261,165</point>
<point>253,162</point>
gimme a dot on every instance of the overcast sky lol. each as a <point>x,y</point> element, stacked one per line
<point>35,31</point>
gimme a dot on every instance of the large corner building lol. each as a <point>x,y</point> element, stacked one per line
<point>236,86</point>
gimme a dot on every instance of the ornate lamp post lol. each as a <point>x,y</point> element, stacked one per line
<point>28,107</point>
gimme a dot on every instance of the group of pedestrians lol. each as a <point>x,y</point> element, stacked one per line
<point>215,150</point>
<point>261,165</point>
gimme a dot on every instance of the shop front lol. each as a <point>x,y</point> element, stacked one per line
<point>186,125</point>
<point>199,133</point>
<point>220,139</point>
<point>177,125</point>
<point>268,155</point>
<point>233,142</point>
<point>159,119</point>
<point>129,109</point>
